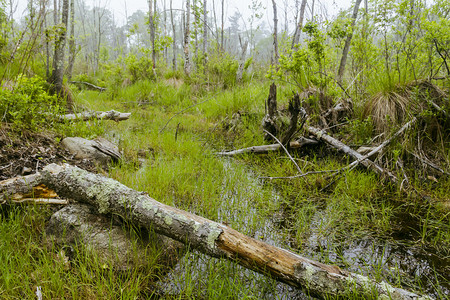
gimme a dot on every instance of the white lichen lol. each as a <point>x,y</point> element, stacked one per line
<point>168,220</point>
<point>214,233</point>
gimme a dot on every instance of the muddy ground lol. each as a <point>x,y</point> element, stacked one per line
<point>23,152</point>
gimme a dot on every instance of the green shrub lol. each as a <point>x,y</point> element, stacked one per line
<point>27,104</point>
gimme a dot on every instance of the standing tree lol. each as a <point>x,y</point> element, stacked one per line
<point>71,40</point>
<point>348,42</point>
<point>174,59</point>
<point>60,43</point>
<point>187,62</point>
<point>298,28</point>
<point>275,33</point>
<point>151,19</point>
<point>205,32</point>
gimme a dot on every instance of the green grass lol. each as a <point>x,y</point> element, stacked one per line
<point>177,166</point>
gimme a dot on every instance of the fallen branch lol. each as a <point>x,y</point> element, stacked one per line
<point>101,115</point>
<point>27,189</point>
<point>269,148</point>
<point>90,85</point>
<point>209,237</point>
<point>359,157</point>
<point>285,150</point>
<point>18,185</point>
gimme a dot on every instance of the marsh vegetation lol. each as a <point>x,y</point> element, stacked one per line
<point>187,110</point>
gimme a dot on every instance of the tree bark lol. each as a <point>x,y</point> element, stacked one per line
<point>71,40</point>
<point>298,28</point>
<point>205,34</point>
<point>270,121</point>
<point>275,32</point>
<point>152,34</point>
<point>348,42</point>
<point>222,25</point>
<point>240,70</point>
<point>187,62</point>
<point>211,238</point>
<point>60,44</point>
<point>174,45</point>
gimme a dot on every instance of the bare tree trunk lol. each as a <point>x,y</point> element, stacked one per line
<point>166,48</point>
<point>71,40</point>
<point>275,32</point>
<point>187,62</point>
<point>222,26</point>
<point>205,33</point>
<point>240,71</point>
<point>152,34</point>
<point>111,197</point>
<point>174,45</point>
<point>298,28</point>
<point>348,42</point>
<point>47,50</point>
<point>60,43</point>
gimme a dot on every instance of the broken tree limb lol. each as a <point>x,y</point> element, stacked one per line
<point>319,134</point>
<point>209,237</point>
<point>269,148</point>
<point>18,185</point>
<point>383,144</point>
<point>89,85</point>
<point>100,115</point>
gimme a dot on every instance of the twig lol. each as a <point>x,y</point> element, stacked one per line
<point>427,162</point>
<point>181,111</point>
<point>285,150</point>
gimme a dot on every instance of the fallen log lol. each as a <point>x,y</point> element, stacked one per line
<point>100,115</point>
<point>209,237</point>
<point>362,159</point>
<point>89,85</point>
<point>18,185</point>
<point>269,148</point>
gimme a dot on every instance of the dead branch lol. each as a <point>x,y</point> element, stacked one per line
<point>270,148</point>
<point>89,85</point>
<point>285,150</point>
<point>349,151</point>
<point>218,240</point>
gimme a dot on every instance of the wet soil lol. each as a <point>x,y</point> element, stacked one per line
<point>25,152</point>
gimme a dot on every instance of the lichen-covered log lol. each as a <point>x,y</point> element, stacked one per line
<point>269,148</point>
<point>100,115</point>
<point>321,135</point>
<point>110,196</point>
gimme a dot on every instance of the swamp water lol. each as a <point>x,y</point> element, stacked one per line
<point>198,275</point>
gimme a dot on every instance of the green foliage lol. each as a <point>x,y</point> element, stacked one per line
<point>139,67</point>
<point>304,66</point>
<point>362,131</point>
<point>28,105</point>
